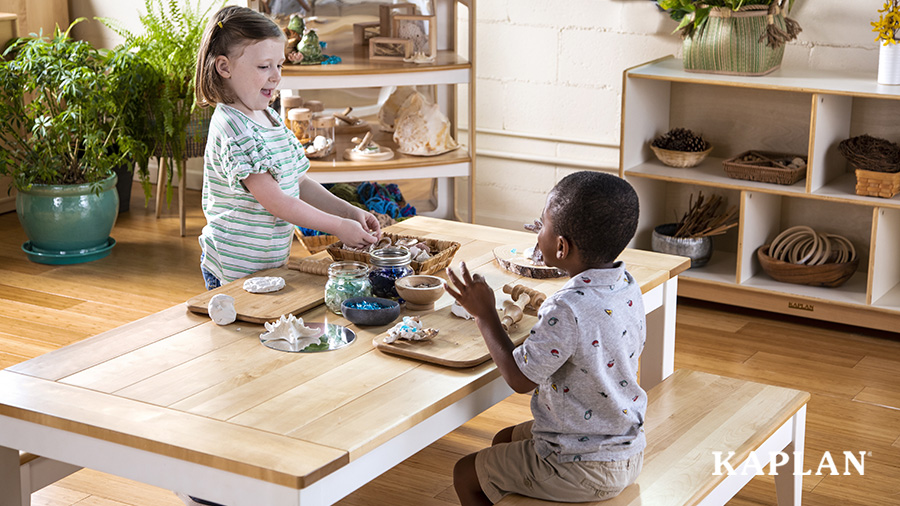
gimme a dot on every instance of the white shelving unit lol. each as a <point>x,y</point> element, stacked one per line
<point>793,111</point>
<point>449,71</point>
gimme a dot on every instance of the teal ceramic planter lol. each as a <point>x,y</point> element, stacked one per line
<point>68,224</point>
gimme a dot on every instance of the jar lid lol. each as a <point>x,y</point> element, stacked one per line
<point>390,256</point>
<point>299,114</point>
<point>291,101</point>
<point>314,105</point>
<point>323,121</point>
<point>347,269</point>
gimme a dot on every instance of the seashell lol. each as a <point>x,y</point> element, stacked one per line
<point>291,329</point>
<point>410,328</point>
<point>265,284</point>
<point>421,128</point>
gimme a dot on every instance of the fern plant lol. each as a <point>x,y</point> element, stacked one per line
<point>693,14</point>
<point>169,42</point>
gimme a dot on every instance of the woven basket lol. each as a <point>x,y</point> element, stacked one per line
<point>828,274</point>
<point>773,169</point>
<point>438,262</point>
<point>877,184</point>
<point>315,243</point>
<point>681,159</point>
<point>730,43</point>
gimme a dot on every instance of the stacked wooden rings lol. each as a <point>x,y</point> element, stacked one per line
<point>804,246</point>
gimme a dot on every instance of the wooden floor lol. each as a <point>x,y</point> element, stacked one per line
<point>853,374</point>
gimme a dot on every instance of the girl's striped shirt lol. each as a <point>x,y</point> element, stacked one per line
<point>240,236</point>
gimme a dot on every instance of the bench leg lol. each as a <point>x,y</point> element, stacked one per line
<point>658,357</point>
<point>788,482</point>
<point>11,493</point>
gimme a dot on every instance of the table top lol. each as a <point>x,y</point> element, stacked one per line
<point>177,384</point>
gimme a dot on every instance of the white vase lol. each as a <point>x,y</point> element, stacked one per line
<point>889,64</point>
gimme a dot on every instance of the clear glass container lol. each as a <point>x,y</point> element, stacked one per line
<point>388,265</point>
<point>346,279</point>
<point>322,137</point>
<point>288,103</point>
<point>299,123</point>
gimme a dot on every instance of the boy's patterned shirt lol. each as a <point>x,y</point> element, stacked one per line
<point>583,355</point>
<point>241,236</point>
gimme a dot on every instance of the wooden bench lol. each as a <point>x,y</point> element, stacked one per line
<point>690,415</point>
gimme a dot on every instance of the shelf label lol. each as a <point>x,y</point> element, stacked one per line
<point>801,306</point>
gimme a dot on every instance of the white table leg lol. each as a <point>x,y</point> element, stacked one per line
<point>10,480</point>
<point>788,481</point>
<point>658,357</point>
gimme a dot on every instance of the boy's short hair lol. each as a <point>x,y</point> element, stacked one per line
<point>230,28</point>
<point>597,212</point>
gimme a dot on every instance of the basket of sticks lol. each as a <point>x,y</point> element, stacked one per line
<point>692,235</point>
<point>876,163</point>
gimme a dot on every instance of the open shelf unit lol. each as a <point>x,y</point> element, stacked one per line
<point>801,111</point>
<point>451,76</point>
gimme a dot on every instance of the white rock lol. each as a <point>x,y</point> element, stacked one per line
<point>264,284</point>
<point>320,142</point>
<point>291,329</point>
<point>457,310</point>
<point>221,309</point>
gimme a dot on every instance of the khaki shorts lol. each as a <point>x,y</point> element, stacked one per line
<point>516,468</point>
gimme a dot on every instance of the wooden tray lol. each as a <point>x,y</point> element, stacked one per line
<point>458,343</point>
<point>301,292</point>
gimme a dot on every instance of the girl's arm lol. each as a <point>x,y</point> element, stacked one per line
<point>474,294</point>
<point>314,193</point>
<point>349,230</point>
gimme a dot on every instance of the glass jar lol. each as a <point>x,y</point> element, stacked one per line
<point>299,123</point>
<point>388,265</point>
<point>322,137</point>
<point>346,280</point>
<point>289,102</point>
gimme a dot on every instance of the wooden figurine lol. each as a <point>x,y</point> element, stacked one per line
<point>536,298</point>
<point>514,311</point>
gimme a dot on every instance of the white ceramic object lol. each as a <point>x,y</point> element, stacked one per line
<point>889,64</point>
<point>221,309</point>
<point>265,284</point>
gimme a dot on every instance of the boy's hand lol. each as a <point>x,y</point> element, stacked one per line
<point>471,292</point>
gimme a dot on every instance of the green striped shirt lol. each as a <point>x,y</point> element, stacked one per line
<point>241,236</point>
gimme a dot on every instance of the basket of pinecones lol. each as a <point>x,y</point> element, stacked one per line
<point>680,147</point>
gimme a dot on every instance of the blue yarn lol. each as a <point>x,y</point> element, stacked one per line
<point>309,231</point>
<point>379,205</point>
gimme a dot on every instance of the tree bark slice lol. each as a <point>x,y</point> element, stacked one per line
<point>513,259</point>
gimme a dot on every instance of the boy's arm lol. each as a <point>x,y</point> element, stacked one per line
<point>474,294</point>
<point>267,192</point>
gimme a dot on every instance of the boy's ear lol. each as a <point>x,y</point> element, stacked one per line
<point>223,66</point>
<point>563,247</point>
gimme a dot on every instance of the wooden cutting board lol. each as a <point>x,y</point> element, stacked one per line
<point>458,343</point>
<point>512,258</point>
<point>301,292</point>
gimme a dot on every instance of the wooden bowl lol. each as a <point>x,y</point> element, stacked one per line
<point>828,274</point>
<point>681,159</point>
<point>420,291</point>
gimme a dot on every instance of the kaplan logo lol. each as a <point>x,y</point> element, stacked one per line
<point>752,465</point>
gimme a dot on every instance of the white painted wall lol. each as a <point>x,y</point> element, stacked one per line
<point>549,81</point>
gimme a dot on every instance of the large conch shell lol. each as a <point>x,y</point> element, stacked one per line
<point>421,128</point>
<point>388,112</point>
<point>291,329</point>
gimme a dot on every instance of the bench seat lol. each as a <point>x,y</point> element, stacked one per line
<point>692,414</point>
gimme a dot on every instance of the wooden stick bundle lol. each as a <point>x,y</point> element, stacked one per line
<point>704,218</point>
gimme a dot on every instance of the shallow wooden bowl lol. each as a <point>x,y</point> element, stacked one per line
<point>827,274</point>
<point>420,291</point>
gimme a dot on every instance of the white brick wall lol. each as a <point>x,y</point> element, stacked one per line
<point>553,70</point>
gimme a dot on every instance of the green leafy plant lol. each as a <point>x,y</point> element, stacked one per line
<point>693,14</point>
<point>169,42</point>
<point>66,108</point>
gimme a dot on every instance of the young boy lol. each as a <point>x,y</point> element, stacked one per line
<point>586,441</point>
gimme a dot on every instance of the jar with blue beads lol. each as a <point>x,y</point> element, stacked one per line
<point>388,265</point>
<point>346,280</point>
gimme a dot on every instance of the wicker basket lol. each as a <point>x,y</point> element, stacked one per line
<point>828,274</point>
<point>877,184</point>
<point>438,262</point>
<point>773,168</point>
<point>315,243</point>
<point>681,159</point>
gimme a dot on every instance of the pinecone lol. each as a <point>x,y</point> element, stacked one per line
<point>681,139</point>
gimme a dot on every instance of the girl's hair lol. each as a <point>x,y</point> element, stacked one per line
<point>227,29</point>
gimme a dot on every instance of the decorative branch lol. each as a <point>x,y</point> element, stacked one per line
<point>704,218</point>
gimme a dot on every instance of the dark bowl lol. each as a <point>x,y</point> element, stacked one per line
<point>390,310</point>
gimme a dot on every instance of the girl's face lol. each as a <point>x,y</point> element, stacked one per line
<point>252,74</point>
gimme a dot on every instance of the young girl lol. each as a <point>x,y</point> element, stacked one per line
<point>255,187</point>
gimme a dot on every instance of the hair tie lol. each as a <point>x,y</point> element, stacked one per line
<point>220,24</point>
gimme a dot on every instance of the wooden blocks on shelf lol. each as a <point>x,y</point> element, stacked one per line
<point>363,32</point>
<point>386,14</point>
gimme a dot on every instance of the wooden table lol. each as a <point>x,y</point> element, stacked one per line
<point>178,402</point>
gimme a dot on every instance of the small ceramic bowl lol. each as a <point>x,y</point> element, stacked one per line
<point>379,311</point>
<point>420,291</point>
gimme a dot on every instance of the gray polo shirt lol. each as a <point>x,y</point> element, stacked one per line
<point>583,354</point>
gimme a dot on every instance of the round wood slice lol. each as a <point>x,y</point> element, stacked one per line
<point>356,156</point>
<point>512,258</point>
<point>344,129</point>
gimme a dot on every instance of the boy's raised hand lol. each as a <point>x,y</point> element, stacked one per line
<point>471,292</point>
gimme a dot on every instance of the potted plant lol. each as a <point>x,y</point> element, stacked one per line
<point>64,103</point>
<point>741,37</point>
<point>169,44</point>
<point>887,28</point>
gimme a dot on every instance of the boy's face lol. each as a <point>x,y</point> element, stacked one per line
<point>548,241</point>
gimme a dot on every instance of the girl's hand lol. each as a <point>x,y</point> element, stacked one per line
<point>352,234</point>
<point>369,222</point>
<point>471,292</point>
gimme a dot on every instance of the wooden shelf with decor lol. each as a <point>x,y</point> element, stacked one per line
<point>802,111</point>
<point>451,77</point>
